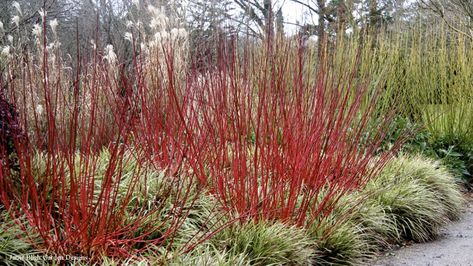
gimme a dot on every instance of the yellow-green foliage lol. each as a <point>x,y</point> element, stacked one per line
<point>427,76</point>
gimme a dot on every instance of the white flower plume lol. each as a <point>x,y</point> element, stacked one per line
<point>53,24</point>
<point>16,5</point>
<point>39,109</point>
<point>16,20</point>
<point>110,55</point>
<point>6,51</point>
<point>42,13</point>
<point>94,46</point>
<point>129,36</point>
<point>37,31</point>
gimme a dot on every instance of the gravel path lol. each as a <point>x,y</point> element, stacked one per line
<point>453,247</point>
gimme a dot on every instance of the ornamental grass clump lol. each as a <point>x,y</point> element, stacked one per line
<point>419,196</point>
<point>12,241</point>
<point>211,256</point>
<point>354,232</point>
<point>344,246</point>
<point>410,200</point>
<point>266,244</point>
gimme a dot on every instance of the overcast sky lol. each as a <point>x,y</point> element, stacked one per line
<point>293,13</point>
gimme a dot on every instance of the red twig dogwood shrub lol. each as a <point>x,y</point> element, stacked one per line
<point>279,138</point>
<point>161,97</point>
<point>79,203</point>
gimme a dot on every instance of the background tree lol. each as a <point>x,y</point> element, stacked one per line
<point>258,17</point>
<point>207,21</point>
<point>457,14</point>
<point>20,15</point>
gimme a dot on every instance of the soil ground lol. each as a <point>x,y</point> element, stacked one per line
<point>453,247</point>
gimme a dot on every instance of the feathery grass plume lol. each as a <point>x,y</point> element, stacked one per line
<point>16,21</point>
<point>157,82</point>
<point>17,6</point>
<point>6,51</point>
<point>53,24</point>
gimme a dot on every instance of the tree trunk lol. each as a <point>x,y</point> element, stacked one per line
<point>342,18</point>
<point>373,15</point>
<point>321,29</point>
<point>268,18</point>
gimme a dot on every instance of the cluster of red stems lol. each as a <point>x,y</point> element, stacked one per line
<point>269,134</point>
